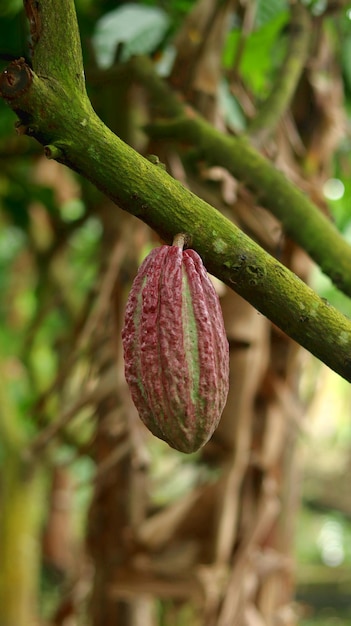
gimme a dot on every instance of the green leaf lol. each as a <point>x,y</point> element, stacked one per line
<point>232,111</point>
<point>139,28</point>
<point>263,53</point>
<point>10,7</point>
<point>268,10</point>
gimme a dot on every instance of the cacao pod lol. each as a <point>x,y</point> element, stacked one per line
<point>175,348</point>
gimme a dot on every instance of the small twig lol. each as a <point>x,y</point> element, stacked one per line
<point>267,514</point>
<point>91,323</point>
<point>106,290</point>
<point>106,465</point>
<point>247,26</point>
<point>43,438</point>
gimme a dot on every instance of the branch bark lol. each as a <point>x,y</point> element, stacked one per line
<point>302,220</point>
<point>56,49</point>
<point>59,115</point>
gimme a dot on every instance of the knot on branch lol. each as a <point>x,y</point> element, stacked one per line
<point>15,80</point>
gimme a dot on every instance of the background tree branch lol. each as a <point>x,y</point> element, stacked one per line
<point>278,101</point>
<point>318,237</point>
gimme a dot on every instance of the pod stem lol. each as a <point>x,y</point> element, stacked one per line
<point>180,240</point>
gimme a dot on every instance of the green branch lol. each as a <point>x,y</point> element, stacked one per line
<point>57,53</point>
<point>278,101</point>
<point>62,119</point>
<point>301,219</point>
<point>275,192</point>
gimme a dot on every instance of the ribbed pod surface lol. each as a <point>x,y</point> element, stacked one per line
<point>176,349</point>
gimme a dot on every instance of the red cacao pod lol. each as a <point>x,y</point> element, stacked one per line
<point>175,348</point>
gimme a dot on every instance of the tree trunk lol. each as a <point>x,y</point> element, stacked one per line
<point>21,499</point>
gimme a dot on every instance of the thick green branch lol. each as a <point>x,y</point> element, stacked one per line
<point>57,52</point>
<point>279,99</point>
<point>74,135</point>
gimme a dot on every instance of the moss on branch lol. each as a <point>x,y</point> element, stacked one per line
<point>56,49</point>
<point>60,117</point>
<point>301,219</point>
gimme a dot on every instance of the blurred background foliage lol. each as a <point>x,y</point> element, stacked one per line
<point>50,252</point>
